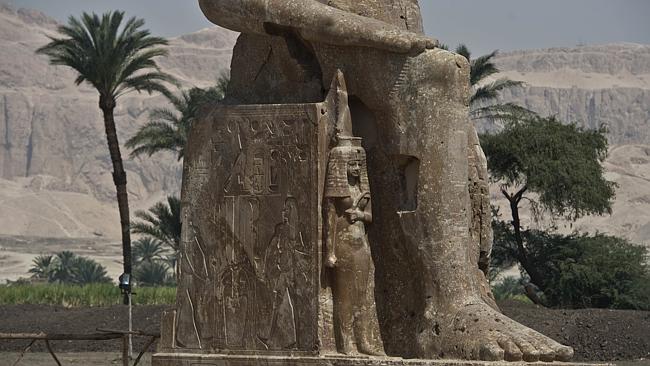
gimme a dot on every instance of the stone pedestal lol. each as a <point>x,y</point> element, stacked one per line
<point>250,260</point>
<point>168,359</point>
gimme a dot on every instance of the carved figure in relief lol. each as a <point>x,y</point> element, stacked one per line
<point>280,273</point>
<point>347,250</point>
<point>416,96</point>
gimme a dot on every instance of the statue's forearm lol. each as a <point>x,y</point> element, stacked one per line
<point>313,21</point>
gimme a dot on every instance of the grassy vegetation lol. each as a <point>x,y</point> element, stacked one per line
<point>87,295</point>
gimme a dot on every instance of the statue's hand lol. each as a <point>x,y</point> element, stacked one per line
<point>354,215</point>
<point>330,262</point>
<point>405,41</point>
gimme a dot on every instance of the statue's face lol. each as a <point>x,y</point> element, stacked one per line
<point>354,168</point>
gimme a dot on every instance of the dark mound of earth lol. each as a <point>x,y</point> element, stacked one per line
<point>595,334</point>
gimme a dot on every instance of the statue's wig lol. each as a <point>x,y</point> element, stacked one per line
<point>348,149</point>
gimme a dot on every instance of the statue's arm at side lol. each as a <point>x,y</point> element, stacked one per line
<point>330,240</point>
<point>313,21</point>
<point>367,213</point>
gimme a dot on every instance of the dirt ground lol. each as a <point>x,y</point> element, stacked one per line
<point>596,335</point>
<point>106,359</point>
<point>69,359</point>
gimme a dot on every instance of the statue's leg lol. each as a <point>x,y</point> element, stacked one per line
<point>344,297</point>
<point>456,321</point>
<point>480,214</point>
<point>365,325</point>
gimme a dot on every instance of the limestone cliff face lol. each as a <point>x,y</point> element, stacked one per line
<point>593,86</point>
<point>52,138</point>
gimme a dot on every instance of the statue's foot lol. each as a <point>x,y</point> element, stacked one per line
<point>368,349</point>
<point>478,332</point>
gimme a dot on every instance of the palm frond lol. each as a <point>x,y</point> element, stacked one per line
<point>161,222</point>
<point>491,90</point>
<point>112,55</point>
<point>483,67</point>
<point>462,50</point>
<point>148,249</point>
<point>168,129</point>
<point>506,112</point>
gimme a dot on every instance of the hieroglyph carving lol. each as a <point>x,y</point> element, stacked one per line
<point>250,259</point>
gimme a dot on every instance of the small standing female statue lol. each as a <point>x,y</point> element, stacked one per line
<point>347,251</point>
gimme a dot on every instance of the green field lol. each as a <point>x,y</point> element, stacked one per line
<point>88,295</point>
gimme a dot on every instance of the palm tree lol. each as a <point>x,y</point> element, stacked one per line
<point>147,249</point>
<point>44,267</point>
<point>152,274</point>
<point>88,271</point>
<point>114,58</point>
<point>65,263</point>
<point>485,93</point>
<point>167,129</point>
<point>161,222</point>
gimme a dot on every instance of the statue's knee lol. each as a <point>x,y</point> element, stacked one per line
<point>441,66</point>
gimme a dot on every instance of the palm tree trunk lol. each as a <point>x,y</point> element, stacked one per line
<point>107,105</point>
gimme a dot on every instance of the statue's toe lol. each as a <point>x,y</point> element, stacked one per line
<point>529,352</point>
<point>512,352</point>
<point>563,353</point>
<point>491,351</point>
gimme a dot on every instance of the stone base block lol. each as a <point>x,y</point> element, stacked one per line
<point>185,359</point>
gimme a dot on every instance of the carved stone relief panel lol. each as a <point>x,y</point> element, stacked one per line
<point>250,255</point>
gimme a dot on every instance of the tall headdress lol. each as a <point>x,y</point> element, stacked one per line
<point>348,148</point>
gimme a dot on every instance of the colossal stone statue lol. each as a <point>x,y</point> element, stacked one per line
<point>429,236</point>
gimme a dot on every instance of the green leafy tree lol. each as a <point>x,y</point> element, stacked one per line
<point>508,288</point>
<point>561,163</point>
<point>115,58</point>
<point>582,271</point>
<point>167,129</point>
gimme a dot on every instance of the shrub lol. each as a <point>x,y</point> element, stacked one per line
<point>509,288</point>
<point>582,271</point>
<point>67,267</point>
<point>152,274</point>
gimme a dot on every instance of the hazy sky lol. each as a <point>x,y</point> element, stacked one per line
<point>483,25</point>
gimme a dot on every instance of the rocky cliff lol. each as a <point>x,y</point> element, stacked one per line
<point>593,86</point>
<point>55,171</point>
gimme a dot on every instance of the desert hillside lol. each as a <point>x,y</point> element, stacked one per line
<point>593,86</point>
<point>54,163</point>
<point>55,171</point>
